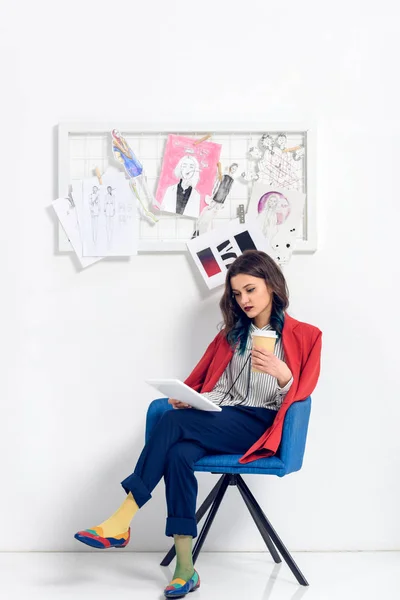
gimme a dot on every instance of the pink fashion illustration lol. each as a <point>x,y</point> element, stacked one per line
<point>187,175</point>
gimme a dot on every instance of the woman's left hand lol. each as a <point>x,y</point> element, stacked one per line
<point>267,362</point>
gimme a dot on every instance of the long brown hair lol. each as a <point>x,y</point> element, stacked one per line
<point>236,323</point>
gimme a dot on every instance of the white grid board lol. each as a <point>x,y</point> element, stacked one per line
<point>84,147</point>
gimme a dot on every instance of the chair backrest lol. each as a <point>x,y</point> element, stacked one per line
<point>294,434</point>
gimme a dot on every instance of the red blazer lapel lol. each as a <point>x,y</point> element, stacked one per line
<point>302,346</point>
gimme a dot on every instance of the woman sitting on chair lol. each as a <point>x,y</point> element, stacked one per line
<point>250,423</point>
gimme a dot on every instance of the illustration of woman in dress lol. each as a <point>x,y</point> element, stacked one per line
<point>134,169</point>
<point>263,158</point>
<point>124,154</point>
<point>273,208</point>
<point>94,207</point>
<point>109,209</point>
<point>222,188</point>
<point>182,197</point>
<point>219,195</point>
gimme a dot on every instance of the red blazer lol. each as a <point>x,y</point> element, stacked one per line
<point>302,347</point>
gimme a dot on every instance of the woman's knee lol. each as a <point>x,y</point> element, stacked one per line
<point>173,417</point>
<point>180,455</point>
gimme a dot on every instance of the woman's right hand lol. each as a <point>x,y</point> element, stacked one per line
<point>178,403</point>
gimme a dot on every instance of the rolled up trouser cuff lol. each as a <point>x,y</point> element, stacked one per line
<point>181,526</point>
<point>139,491</point>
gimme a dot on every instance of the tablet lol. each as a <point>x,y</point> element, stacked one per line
<point>176,389</point>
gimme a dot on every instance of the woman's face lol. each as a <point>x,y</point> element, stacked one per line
<point>187,169</point>
<point>273,201</point>
<point>267,142</point>
<point>252,294</point>
<point>281,141</point>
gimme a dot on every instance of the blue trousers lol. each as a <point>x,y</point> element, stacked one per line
<point>182,437</point>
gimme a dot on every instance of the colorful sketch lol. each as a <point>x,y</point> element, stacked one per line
<point>278,213</point>
<point>135,172</point>
<point>187,175</point>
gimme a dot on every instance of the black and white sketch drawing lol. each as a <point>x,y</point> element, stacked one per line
<point>275,164</point>
<point>216,203</point>
<point>94,206</point>
<point>109,210</point>
<point>223,187</point>
<point>107,228</point>
<point>66,211</point>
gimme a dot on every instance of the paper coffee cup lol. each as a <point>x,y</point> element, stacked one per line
<point>265,340</point>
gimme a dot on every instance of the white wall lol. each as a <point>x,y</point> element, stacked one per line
<point>76,346</point>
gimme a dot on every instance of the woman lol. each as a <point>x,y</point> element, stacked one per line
<point>109,209</point>
<point>94,206</point>
<point>250,423</point>
<point>274,208</point>
<point>124,154</point>
<point>183,198</point>
<point>216,202</point>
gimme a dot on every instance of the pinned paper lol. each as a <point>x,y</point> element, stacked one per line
<point>66,211</point>
<point>216,202</point>
<point>215,251</point>
<point>124,154</point>
<point>275,164</point>
<point>187,175</point>
<point>107,216</point>
<point>278,213</point>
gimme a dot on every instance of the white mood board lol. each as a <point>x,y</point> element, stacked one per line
<point>84,146</point>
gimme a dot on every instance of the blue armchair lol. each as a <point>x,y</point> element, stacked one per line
<point>288,459</point>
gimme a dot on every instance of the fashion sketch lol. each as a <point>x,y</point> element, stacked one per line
<point>94,207</point>
<point>274,208</point>
<point>275,164</point>
<point>222,188</point>
<point>109,210</point>
<point>188,171</point>
<point>278,213</point>
<point>216,202</point>
<point>136,174</point>
<point>182,198</point>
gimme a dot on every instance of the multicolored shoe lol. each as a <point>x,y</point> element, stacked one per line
<point>179,587</point>
<point>94,538</point>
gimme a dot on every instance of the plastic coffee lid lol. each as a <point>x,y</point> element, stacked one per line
<point>268,334</point>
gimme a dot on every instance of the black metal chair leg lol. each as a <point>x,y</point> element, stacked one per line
<point>261,528</point>
<point>210,517</point>
<point>272,533</point>
<point>199,515</point>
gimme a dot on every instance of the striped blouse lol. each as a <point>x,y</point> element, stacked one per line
<point>251,389</point>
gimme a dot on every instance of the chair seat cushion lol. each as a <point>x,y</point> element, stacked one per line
<point>229,463</point>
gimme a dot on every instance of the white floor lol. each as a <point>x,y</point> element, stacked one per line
<point>252,576</point>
